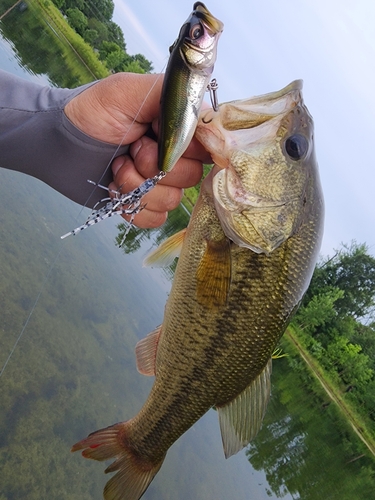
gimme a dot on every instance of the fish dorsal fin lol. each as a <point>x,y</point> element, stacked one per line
<point>167,251</point>
<point>241,419</point>
<point>145,352</point>
<point>214,274</point>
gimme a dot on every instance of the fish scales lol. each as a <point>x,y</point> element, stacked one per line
<point>222,333</point>
<point>246,260</point>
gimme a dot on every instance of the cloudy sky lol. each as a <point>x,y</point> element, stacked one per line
<point>264,46</point>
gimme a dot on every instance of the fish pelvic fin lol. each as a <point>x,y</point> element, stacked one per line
<point>134,474</point>
<point>241,419</point>
<point>145,352</point>
<point>166,252</point>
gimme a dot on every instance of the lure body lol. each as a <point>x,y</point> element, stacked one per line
<point>188,73</point>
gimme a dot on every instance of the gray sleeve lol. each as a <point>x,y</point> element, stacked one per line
<point>37,138</point>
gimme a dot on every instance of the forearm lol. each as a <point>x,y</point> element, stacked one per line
<point>38,139</point>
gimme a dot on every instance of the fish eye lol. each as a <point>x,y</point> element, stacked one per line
<point>296,146</point>
<point>196,32</point>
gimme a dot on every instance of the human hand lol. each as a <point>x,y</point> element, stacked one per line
<point>119,110</point>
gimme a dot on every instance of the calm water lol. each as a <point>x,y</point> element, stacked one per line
<point>73,369</point>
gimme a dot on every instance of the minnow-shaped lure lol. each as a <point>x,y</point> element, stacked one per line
<point>189,69</point>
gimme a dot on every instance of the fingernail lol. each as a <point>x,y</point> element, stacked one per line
<point>117,164</point>
<point>135,147</point>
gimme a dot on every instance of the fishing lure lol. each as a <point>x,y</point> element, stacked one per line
<point>120,204</point>
<point>130,203</point>
<point>187,77</point>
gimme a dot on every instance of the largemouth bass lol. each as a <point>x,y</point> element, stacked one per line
<point>246,260</point>
<point>190,65</point>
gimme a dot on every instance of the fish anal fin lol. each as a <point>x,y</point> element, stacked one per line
<point>134,474</point>
<point>241,419</point>
<point>167,251</point>
<point>145,352</point>
<point>214,274</point>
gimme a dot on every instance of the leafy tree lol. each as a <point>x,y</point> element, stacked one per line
<point>364,335</point>
<point>331,320</point>
<point>101,29</point>
<point>60,4</point>
<point>133,67</point>
<point>319,310</point>
<point>77,20</point>
<point>90,36</point>
<point>92,20</point>
<point>352,365</point>
<point>74,4</point>
<point>143,63</point>
<point>113,56</point>
<point>352,269</point>
<point>115,34</point>
<point>101,9</point>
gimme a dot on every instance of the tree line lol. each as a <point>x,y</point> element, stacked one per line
<point>336,321</point>
<point>92,20</point>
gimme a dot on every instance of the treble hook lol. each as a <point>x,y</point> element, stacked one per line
<point>212,89</point>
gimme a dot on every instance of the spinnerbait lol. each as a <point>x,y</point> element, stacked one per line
<point>120,204</point>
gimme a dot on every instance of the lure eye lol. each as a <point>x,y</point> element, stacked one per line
<point>196,32</point>
<point>296,146</point>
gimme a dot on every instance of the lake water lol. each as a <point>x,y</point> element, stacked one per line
<point>71,313</point>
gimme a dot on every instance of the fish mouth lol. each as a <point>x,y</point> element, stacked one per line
<point>243,125</point>
<point>254,112</point>
<point>211,22</point>
<point>253,121</point>
<point>246,139</point>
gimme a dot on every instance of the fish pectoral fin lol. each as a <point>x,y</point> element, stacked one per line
<point>167,251</point>
<point>241,419</point>
<point>214,274</point>
<point>145,352</point>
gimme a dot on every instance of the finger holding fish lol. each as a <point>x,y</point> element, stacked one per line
<point>187,171</point>
<point>129,103</point>
<point>130,171</point>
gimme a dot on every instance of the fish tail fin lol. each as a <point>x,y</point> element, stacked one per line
<point>134,474</point>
